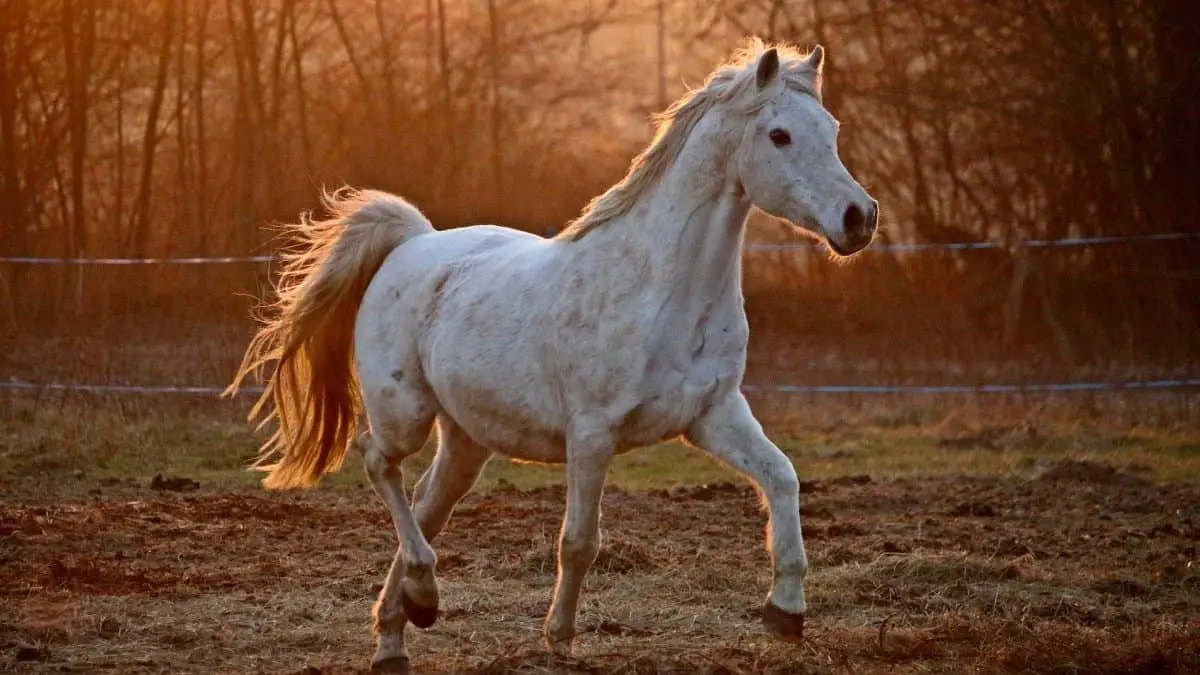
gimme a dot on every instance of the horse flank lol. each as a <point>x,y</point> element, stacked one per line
<point>313,392</point>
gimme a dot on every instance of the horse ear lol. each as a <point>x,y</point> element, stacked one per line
<point>768,67</point>
<point>816,60</point>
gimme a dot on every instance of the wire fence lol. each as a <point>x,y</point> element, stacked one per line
<point>1055,387</point>
<point>21,260</point>
<point>1183,383</point>
<point>1068,242</point>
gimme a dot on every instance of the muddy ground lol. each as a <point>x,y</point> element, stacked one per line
<point>1082,568</point>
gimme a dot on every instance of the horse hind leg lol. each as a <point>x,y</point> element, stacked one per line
<point>400,417</point>
<point>454,471</point>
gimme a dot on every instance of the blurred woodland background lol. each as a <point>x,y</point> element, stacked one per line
<point>183,127</point>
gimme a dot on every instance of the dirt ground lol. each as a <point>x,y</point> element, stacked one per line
<point>1083,568</point>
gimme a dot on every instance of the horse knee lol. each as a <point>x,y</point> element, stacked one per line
<point>785,481</point>
<point>777,478</point>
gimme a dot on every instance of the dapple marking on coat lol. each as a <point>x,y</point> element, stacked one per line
<point>624,330</point>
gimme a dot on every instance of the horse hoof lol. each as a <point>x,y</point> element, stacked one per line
<point>784,625</point>
<point>419,616</point>
<point>394,665</point>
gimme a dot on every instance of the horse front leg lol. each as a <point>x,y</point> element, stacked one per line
<point>588,457</point>
<point>729,432</point>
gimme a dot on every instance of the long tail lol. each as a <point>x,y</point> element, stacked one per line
<point>308,332</point>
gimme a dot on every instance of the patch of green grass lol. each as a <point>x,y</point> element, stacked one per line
<point>1187,449</point>
<point>93,442</point>
<point>100,445</point>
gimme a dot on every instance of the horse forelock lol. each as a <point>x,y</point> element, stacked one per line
<point>730,85</point>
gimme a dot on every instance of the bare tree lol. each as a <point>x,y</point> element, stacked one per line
<point>494,51</point>
<point>79,44</point>
<point>139,232</point>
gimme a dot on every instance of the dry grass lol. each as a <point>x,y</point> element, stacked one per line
<point>946,535</point>
<point>74,442</point>
<point>1078,569</point>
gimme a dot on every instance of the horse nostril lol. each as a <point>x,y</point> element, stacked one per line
<point>854,222</point>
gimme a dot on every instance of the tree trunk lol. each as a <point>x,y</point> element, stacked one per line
<point>79,37</point>
<point>348,45</point>
<point>661,53</point>
<point>446,115</point>
<point>301,96</point>
<point>246,130</point>
<point>139,234</point>
<point>497,106</point>
<point>272,120</point>
<point>390,107</point>
<point>201,191</point>
<point>184,216</point>
<point>13,208</point>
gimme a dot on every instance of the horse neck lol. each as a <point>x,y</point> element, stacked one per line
<point>686,231</point>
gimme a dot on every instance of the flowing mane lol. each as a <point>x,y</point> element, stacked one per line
<point>732,85</point>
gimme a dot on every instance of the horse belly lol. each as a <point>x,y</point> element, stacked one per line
<point>519,439</point>
<point>500,404</point>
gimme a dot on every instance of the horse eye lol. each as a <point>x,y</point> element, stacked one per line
<point>780,137</point>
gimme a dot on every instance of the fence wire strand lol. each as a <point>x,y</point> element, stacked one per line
<point>753,246</point>
<point>987,388</point>
<point>1043,388</point>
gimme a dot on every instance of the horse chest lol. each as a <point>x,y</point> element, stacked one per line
<point>680,386</point>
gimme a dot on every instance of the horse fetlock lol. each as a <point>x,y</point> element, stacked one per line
<point>389,661</point>
<point>788,594</point>
<point>796,568</point>
<point>560,634</point>
<point>420,563</point>
<point>387,616</point>
<point>391,656</point>
<point>421,586</point>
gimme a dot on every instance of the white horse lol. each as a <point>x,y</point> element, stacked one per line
<point>625,329</point>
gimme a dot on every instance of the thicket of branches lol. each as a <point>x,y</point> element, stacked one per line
<point>181,127</point>
<point>1011,120</point>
